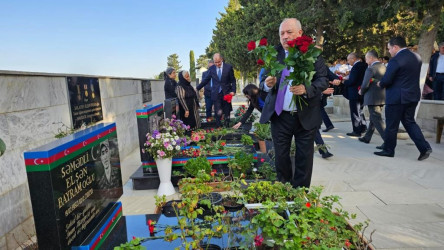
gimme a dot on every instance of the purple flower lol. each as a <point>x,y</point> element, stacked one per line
<point>173,116</point>
<point>166,144</point>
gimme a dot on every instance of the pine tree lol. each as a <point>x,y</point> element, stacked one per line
<point>173,61</point>
<point>192,66</point>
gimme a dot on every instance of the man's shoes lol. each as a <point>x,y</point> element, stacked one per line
<point>363,129</point>
<point>362,139</point>
<point>328,129</point>
<point>380,147</point>
<point>327,155</point>
<point>354,134</point>
<point>384,153</point>
<point>425,155</point>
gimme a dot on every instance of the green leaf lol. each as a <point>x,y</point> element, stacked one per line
<point>2,147</point>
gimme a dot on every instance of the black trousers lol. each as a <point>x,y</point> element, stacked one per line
<point>357,116</point>
<point>405,113</point>
<point>222,107</point>
<point>283,129</point>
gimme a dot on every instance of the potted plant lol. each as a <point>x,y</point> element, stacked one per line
<point>162,146</point>
<point>263,133</point>
<point>241,163</point>
<point>195,165</point>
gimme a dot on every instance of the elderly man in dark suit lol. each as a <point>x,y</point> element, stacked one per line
<point>436,73</point>
<point>374,96</point>
<point>207,94</point>
<point>401,81</point>
<point>352,85</point>
<point>224,83</point>
<point>286,120</point>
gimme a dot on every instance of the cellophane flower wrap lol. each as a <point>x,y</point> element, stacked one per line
<point>267,55</point>
<point>302,55</point>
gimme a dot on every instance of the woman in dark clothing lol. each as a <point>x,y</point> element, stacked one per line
<point>188,101</point>
<point>256,98</point>
<point>170,83</point>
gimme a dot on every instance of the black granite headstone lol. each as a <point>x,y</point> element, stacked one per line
<point>146,91</point>
<point>147,121</point>
<point>85,101</point>
<point>73,183</point>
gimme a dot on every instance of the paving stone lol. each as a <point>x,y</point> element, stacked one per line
<point>385,184</point>
<point>410,196</point>
<point>407,235</point>
<point>357,198</point>
<point>393,214</point>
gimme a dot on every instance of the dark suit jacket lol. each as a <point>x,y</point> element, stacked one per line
<point>354,81</point>
<point>433,64</point>
<point>310,116</point>
<point>207,88</point>
<point>373,95</point>
<point>401,79</point>
<point>227,82</point>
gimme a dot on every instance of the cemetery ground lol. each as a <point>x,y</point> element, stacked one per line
<point>401,197</point>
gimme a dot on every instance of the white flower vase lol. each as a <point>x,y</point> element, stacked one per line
<point>164,169</point>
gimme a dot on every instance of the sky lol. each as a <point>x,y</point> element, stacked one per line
<point>123,38</point>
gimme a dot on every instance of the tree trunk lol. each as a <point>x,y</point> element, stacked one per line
<point>319,34</point>
<point>430,24</point>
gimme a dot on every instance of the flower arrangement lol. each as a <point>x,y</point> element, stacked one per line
<point>174,125</point>
<point>267,56</point>
<point>162,145</point>
<point>241,111</point>
<point>302,55</point>
<point>198,135</point>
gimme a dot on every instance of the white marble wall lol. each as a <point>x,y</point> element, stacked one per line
<point>32,110</point>
<point>158,92</point>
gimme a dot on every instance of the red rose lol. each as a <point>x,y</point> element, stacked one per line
<point>260,62</point>
<point>251,45</point>
<point>303,48</point>
<point>228,98</point>
<point>263,42</point>
<point>291,43</point>
<point>308,204</point>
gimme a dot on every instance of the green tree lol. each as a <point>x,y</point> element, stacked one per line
<point>202,62</point>
<point>192,66</point>
<point>173,61</point>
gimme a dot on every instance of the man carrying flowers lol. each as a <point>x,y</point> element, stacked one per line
<point>292,104</point>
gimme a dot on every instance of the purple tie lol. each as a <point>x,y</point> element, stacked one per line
<point>279,105</point>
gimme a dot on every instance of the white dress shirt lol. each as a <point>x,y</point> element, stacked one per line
<point>440,64</point>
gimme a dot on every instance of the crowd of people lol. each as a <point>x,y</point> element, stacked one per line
<point>374,81</point>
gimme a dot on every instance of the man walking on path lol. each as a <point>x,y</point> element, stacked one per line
<point>401,81</point>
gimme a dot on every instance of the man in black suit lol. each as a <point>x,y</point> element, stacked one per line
<point>222,76</point>
<point>352,85</point>
<point>207,94</point>
<point>401,81</point>
<point>436,73</point>
<point>287,121</point>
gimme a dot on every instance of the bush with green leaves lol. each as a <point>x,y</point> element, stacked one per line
<point>241,163</point>
<point>262,131</point>
<point>247,140</point>
<point>194,165</point>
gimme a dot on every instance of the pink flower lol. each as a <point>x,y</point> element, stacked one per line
<point>258,240</point>
<point>143,150</point>
<point>161,153</point>
<point>262,159</point>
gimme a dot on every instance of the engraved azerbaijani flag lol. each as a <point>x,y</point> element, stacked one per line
<point>50,156</point>
<point>145,113</point>
<point>180,161</point>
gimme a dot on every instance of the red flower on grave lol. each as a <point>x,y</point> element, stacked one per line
<point>347,243</point>
<point>258,240</point>
<point>308,204</point>
<point>260,62</point>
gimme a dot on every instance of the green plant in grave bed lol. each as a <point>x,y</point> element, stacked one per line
<point>259,192</point>
<point>241,163</point>
<point>194,165</point>
<point>247,140</point>
<point>2,147</point>
<point>262,131</point>
<point>134,244</point>
<point>267,171</point>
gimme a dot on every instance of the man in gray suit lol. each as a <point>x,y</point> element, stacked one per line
<point>374,96</point>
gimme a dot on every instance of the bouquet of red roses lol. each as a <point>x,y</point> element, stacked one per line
<point>302,55</point>
<point>267,56</point>
<point>228,98</point>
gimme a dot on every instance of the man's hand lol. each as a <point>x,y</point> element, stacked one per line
<point>336,82</point>
<point>237,125</point>
<point>270,81</point>
<point>359,92</point>
<point>298,89</point>
<point>328,91</point>
<point>377,84</point>
<point>232,93</point>
<point>187,113</point>
<point>430,78</point>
